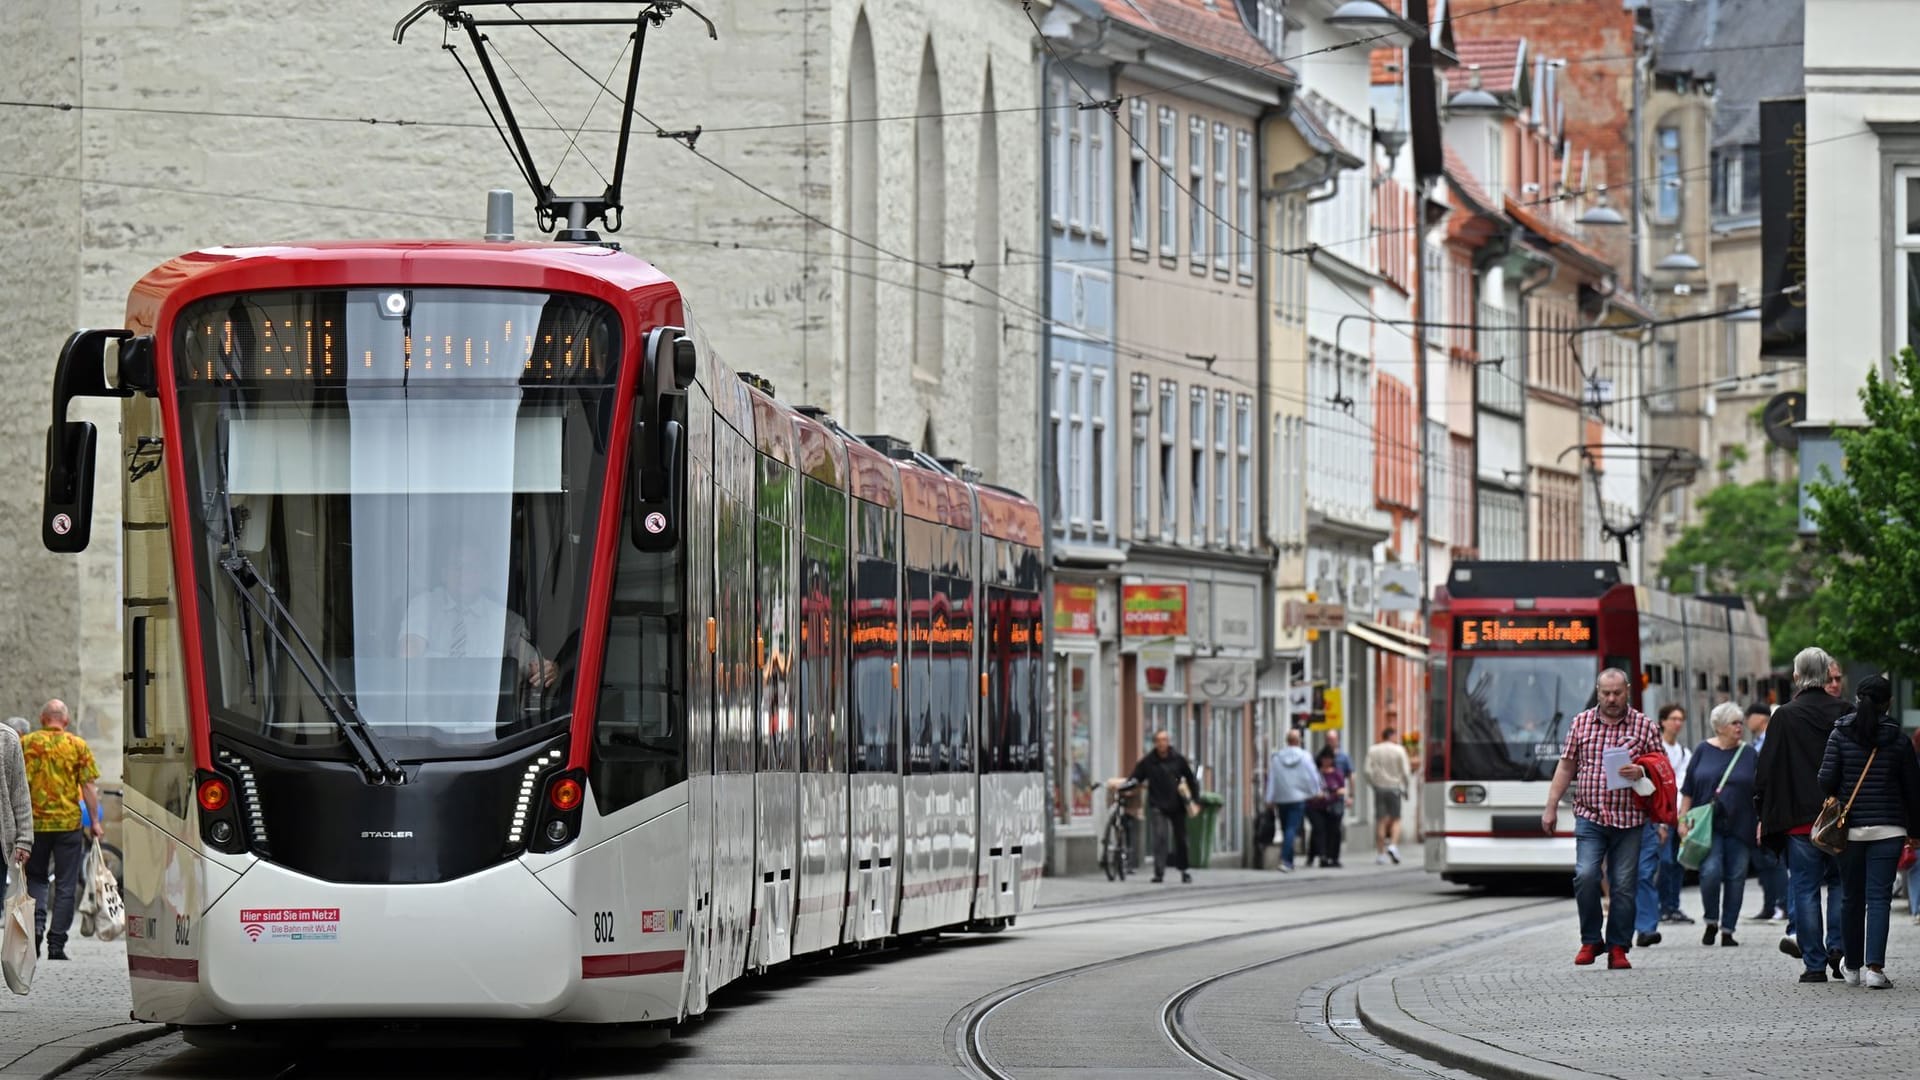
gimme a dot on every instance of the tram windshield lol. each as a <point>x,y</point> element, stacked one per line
<point>1511,713</point>
<point>416,475</point>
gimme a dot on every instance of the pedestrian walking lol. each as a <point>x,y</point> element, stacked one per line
<point>1327,810</point>
<point>1673,718</point>
<point>1721,775</point>
<point>60,774</point>
<point>1340,757</point>
<point>1608,820</point>
<point>1771,869</point>
<point>16,806</point>
<point>1787,790</point>
<point>1291,781</point>
<point>1164,770</point>
<point>1870,768</point>
<point>1390,775</point>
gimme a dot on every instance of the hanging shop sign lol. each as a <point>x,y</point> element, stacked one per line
<point>1152,611</point>
<point>1075,611</point>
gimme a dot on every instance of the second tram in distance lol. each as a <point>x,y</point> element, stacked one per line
<point>1517,648</point>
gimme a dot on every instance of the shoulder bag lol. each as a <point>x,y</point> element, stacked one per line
<point>1830,828</point>
<point>1698,838</point>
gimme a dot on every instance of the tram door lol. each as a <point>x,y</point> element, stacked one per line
<point>700,549</point>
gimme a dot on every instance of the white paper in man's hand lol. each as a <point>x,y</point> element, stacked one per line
<point>1612,760</point>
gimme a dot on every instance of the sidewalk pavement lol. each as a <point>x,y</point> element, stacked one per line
<point>78,1010</point>
<point>1094,887</point>
<point>1516,1007</point>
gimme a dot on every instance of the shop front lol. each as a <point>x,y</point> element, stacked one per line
<point>1084,683</point>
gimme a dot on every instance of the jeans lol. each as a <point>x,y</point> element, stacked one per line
<point>1595,845</point>
<point>1808,869</point>
<point>60,852</point>
<point>1772,871</point>
<point>1913,899</point>
<point>1646,900</point>
<point>1723,880</point>
<point>1672,874</point>
<point>1867,869</point>
<point>1165,821</point>
<point>1291,814</point>
<point>1328,823</point>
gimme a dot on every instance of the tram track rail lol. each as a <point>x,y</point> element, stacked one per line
<point>968,1029</point>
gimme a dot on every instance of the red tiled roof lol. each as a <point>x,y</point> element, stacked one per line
<point>1498,59</point>
<point>1212,26</point>
<point>1464,179</point>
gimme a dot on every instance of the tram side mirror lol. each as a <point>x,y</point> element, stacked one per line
<point>93,363</point>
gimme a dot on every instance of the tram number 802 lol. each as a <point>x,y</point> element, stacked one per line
<point>602,927</point>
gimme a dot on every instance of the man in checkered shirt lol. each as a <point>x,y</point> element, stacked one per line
<point>1607,824</point>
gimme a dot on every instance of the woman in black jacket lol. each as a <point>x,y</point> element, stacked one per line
<point>1870,764</point>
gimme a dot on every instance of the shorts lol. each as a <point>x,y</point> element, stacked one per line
<point>1386,802</point>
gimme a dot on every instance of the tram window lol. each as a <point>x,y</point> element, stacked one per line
<point>963,692</point>
<point>875,603</point>
<point>918,671</point>
<point>774,618</point>
<point>939,663</point>
<point>823,606</point>
<point>1511,714</point>
<point>639,746</point>
<point>1003,710</point>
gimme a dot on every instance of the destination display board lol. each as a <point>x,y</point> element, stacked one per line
<point>1560,633</point>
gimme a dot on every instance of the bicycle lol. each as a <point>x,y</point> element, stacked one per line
<point>1116,838</point>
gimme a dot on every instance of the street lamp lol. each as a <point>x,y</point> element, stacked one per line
<point>1678,260</point>
<point>1371,16</point>
<point>1474,99</point>
<point>1601,213</point>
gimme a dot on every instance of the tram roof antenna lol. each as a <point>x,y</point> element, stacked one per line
<point>567,216</point>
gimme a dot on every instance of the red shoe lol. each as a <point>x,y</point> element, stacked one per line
<point>1587,955</point>
<point>1617,959</point>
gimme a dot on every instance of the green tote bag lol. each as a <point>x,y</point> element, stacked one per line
<point>1698,839</point>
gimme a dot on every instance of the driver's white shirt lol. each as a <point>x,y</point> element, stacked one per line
<point>490,627</point>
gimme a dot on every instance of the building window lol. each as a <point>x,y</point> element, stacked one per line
<point>1057,117</point>
<point>1097,451</point>
<point>1243,180</point>
<point>1169,461</point>
<point>1243,470</point>
<point>1097,121</point>
<point>1666,172</point>
<point>1906,257</point>
<point>1222,228</point>
<point>1197,473</point>
<point>1272,26</point>
<point>1197,192</point>
<point>1137,176</point>
<point>1076,436</point>
<point>1498,372</point>
<point>1503,525</point>
<point>1141,407</point>
<point>1059,492</point>
<point>1169,187</point>
<point>1222,485</point>
<point>1077,168</point>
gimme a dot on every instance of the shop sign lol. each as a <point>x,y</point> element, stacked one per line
<point>1334,714</point>
<point>1397,588</point>
<point>1221,682</point>
<point>1323,616</point>
<point>1153,611</point>
<point>1156,665</point>
<point>1074,608</point>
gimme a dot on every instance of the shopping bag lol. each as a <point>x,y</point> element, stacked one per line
<point>88,906</point>
<point>17,954</point>
<point>1698,839</point>
<point>110,914</point>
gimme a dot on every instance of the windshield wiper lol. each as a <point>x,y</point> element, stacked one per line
<point>374,761</point>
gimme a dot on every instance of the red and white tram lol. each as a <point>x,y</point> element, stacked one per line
<point>489,636</point>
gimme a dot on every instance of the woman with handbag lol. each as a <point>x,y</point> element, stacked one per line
<point>1871,782</point>
<point>1326,811</point>
<point>1716,807</point>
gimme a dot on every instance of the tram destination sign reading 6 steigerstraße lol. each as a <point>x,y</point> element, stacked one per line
<point>1572,633</point>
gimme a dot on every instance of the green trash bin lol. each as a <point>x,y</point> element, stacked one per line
<point>1200,830</point>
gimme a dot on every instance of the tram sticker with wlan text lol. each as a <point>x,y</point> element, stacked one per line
<point>290,924</point>
<point>661,922</point>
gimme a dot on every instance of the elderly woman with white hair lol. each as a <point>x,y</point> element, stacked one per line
<point>1722,774</point>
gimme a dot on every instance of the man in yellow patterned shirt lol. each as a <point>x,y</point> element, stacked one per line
<point>60,772</point>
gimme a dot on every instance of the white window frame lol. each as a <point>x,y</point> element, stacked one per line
<point>1243,180</point>
<point>1197,464</point>
<point>1197,193</point>
<point>1906,250</point>
<point>1056,136</point>
<point>1243,470</point>
<point>1223,237</point>
<point>1097,186</point>
<point>1141,405</point>
<point>1169,186</point>
<point>1100,468</point>
<point>1140,209</point>
<point>1057,431</point>
<point>1667,175</point>
<point>1732,180</point>
<point>1222,478</point>
<point>1169,459</point>
<point>1076,447</point>
<point>1077,170</point>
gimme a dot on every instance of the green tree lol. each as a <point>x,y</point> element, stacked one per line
<point>1748,540</point>
<point>1869,523</point>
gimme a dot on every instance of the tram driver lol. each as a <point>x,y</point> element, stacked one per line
<point>458,619</point>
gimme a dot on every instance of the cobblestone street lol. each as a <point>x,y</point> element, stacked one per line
<point>77,1009</point>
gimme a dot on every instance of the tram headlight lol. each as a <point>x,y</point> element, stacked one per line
<point>557,831</point>
<point>1466,794</point>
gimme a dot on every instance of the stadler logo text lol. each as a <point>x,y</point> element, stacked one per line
<point>370,834</point>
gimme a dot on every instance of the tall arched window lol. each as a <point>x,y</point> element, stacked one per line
<point>862,219</point>
<point>930,223</point>
<point>985,421</point>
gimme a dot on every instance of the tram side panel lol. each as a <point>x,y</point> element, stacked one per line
<point>733,752</point>
<point>953,904</point>
<point>824,789</point>
<point>700,546</point>
<point>777,821</point>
